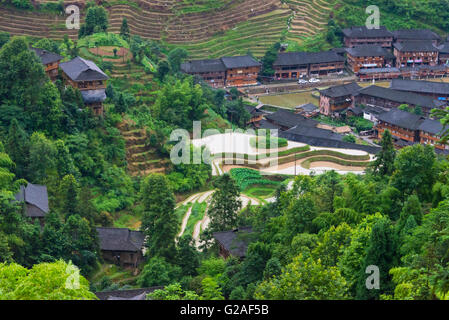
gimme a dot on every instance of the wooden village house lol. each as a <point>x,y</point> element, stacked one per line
<point>368,57</point>
<point>234,242</point>
<point>35,201</point>
<point>405,35</point>
<point>89,79</point>
<point>388,99</point>
<point>50,61</point>
<point>415,53</point>
<point>121,246</point>
<point>235,71</point>
<point>436,90</point>
<point>211,71</point>
<point>356,36</point>
<point>336,99</point>
<point>295,65</point>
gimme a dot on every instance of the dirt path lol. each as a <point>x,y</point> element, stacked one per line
<point>204,223</point>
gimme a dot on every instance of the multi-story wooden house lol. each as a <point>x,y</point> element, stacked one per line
<point>336,99</point>
<point>35,201</point>
<point>436,90</point>
<point>388,99</point>
<point>403,126</point>
<point>356,36</point>
<point>415,53</point>
<point>234,242</point>
<point>367,57</point>
<point>50,61</point>
<point>121,246</point>
<point>212,71</point>
<point>225,72</point>
<point>241,70</point>
<point>378,74</point>
<point>444,53</point>
<point>89,79</point>
<point>295,65</point>
<point>406,35</point>
<point>430,132</point>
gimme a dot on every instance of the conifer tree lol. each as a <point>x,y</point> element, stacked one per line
<point>384,163</point>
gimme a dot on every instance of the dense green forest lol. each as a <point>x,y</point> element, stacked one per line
<point>315,241</point>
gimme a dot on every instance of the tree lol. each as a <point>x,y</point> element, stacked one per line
<point>46,281</point>
<point>173,292</point>
<point>211,290</point>
<point>41,161</point>
<point>384,163</point>
<point>22,76</point>
<point>268,60</point>
<point>48,45</point>
<point>124,29</point>
<point>163,68</point>
<point>96,21</point>
<point>4,38</point>
<point>68,193</point>
<point>17,143</point>
<point>224,205</point>
<point>415,171</point>
<point>381,252</point>
<point>159,223</point>
<point>349,138</point>
<point>158,272</point>
<point>176,57</point>
<point>304,279</point>
<point>412,207</point>
<point>187,256</point>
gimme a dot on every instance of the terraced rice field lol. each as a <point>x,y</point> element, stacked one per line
<point>142,159</point>
<point>233,27</point>
<point>309,17</point>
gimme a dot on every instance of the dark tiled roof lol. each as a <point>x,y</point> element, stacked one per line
<point>234,241</point>
<point>416,34</point>
<point>425,67</point>
<point>420,86</point>
<point>434,127</point>
<point>401,119</point>
<point>287,118</point>
<point>315,132</point>
<point>47,56</point>
<point>79,69</point>
<point>323,138</point>
<point>198,66</point>
<point>253,110</point>
<point>133,294</point>
<point>369,50</point>
<point>342,90</point>
<point>264,124</point>
<point>36,198</point>
<point>364,32</point>
<point>120,239</point>
<point>303,58</point>
<point>308,107</point>
<point>401,96</point>
<point>416,46</point>
<point>378,70</point>
<point>356,110</point>
<point>444,48</point>
<point>94,96</point>
<point>240,62</point>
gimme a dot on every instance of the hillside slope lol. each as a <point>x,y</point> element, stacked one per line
<point>206,28</point>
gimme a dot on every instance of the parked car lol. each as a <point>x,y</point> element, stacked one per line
<point>301,81</point>
<point>314,80</point>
